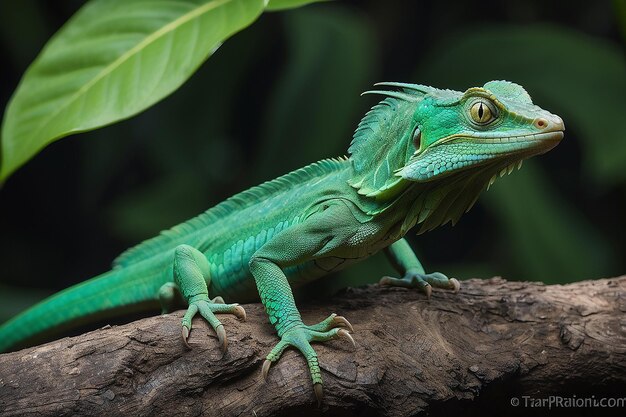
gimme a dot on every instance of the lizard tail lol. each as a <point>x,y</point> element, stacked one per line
<point>110,294</point>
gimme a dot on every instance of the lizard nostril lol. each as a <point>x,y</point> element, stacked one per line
<point>541,123</point>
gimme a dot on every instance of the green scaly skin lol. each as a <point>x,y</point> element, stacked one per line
<point>419,158</point>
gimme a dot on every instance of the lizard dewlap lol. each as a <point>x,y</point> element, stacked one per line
<point>419,158</point>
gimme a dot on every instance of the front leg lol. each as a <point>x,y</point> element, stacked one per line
<point>315,237</point>
<point>406,263</point>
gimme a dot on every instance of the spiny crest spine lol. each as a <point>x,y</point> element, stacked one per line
<point>169,239</point>
<point>378,148</point>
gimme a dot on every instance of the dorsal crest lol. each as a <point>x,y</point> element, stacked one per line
<point>383,141</point>
<point>169,239</point>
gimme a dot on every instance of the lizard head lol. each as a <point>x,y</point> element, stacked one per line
<point>490,129</point>
<point>424,134</point>
<point>444,147</point>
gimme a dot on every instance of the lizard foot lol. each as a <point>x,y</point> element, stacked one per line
<point>300,337</point>
<point>207,309</point>
<point>423,282</point>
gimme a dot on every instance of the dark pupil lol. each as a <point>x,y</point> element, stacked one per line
<point>480,111</point>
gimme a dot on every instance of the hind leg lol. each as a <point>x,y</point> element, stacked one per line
<point>191,276</point>
<point>171,299</point>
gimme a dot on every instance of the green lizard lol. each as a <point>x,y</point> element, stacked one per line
<point>419,157</point>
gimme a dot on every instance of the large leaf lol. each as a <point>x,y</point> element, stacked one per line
<point>187,172</point>
<point>275,5</point>
<point>113,59</point>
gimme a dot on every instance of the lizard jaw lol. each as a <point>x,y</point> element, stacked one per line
<point>461,152</point>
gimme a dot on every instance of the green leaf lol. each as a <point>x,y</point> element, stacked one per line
<point>111,60</point>
<point>275,5</point>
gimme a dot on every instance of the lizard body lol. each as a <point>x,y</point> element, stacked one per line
<point>420,157</point>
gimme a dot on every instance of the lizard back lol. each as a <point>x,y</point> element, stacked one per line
<point>191,231</point>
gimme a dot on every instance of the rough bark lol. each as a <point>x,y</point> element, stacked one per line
<point>472,352</point>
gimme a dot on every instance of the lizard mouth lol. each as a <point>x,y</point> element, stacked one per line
<point>533,137</point>
<point>461,152</point>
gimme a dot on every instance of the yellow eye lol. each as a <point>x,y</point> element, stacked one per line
<point>481,113</point>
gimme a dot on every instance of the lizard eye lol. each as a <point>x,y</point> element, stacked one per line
<point>481,113</point>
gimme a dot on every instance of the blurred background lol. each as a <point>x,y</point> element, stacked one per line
<point>285,92</point>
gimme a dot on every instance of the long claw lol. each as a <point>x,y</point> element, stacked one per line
<point>319,393</point>
<point>266,368</point>
<point>428,290</point>
<point>240,313</point>
<point>457,285</point>
<point>342,321</point>
<point>221,335</point>
<point>218,300</point>
<point>345,335</point>
<point>186,336</point>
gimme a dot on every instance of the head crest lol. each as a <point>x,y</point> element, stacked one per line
<point>379,145</point>
<point>507,91</point>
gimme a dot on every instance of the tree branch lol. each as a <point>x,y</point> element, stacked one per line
<point>471,351</point>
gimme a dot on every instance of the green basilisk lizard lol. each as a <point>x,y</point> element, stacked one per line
<point>419,158</point>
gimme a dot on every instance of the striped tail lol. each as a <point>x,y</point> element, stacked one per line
<point>110,294</point>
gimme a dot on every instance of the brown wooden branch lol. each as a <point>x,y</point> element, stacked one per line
<point>471,351</point>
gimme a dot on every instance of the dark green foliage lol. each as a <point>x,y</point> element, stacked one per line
<point>285,92</point>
